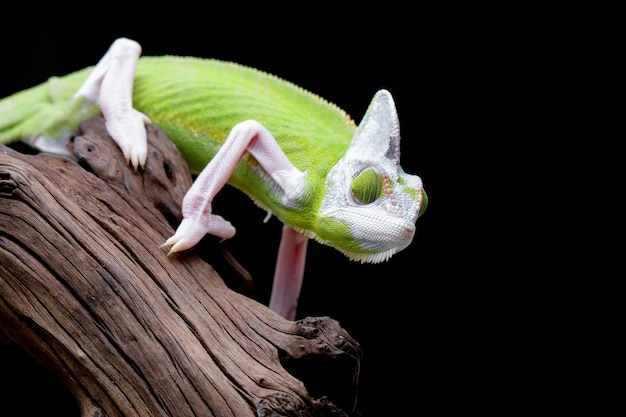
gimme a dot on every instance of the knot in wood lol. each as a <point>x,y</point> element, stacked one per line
<point>7,185</point>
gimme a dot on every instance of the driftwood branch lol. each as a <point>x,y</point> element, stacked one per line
<point>87,291</point>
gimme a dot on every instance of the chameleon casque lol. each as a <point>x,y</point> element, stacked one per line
<point>296,155</point>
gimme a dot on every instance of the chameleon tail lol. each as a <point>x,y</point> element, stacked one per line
<point>48,110</point>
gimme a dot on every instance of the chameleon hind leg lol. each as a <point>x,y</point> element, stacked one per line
<point>110,85</point>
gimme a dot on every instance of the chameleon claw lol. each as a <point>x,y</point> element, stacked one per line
<point>190,232</point>
<point>175,245</point>
<point>130,135</point>
<point>136,163</point>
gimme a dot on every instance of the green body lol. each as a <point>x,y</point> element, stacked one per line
<point>196,102</point>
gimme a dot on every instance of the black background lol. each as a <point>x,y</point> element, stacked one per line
<point>412,315</point>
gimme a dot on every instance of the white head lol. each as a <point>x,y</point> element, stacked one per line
<point>371,205</point>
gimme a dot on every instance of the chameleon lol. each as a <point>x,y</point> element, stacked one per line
<point>296,155</point>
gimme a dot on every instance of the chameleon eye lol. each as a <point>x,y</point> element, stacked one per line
<point>367,186</point>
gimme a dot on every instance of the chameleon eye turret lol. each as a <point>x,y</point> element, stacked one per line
<point>367,186</point>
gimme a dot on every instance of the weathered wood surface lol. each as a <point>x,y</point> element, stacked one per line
<point>86,289</point>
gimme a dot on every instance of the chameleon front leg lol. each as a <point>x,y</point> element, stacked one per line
<point>289,273</point>
<point>110,85</point>
<point>250,136</point>
<point>198,220</point>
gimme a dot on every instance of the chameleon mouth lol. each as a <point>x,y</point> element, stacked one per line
<point>403,239</point>
<point>364,237</point>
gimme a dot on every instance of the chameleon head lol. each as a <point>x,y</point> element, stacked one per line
<point>370,204</point>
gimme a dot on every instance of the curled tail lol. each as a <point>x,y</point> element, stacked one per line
<point>48,111</point>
